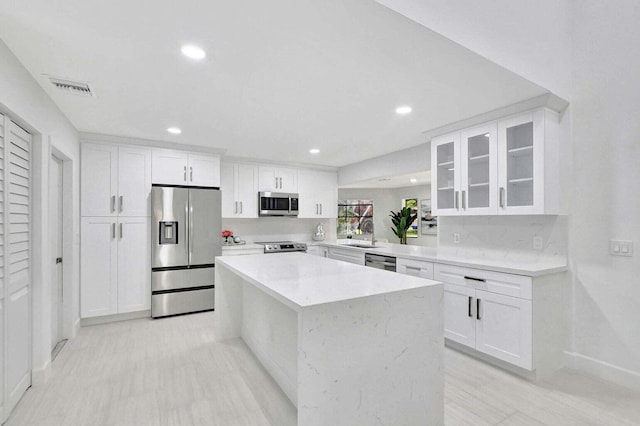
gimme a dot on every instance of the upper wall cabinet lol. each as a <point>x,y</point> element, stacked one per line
<point>182,168</point>
<point>116,180</point>
<point>238,184</point>
<point>318,192</point>
<point>277,179</point>
<point>510,166</point>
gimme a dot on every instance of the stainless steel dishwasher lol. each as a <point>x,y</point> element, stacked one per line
<point>388,263</point>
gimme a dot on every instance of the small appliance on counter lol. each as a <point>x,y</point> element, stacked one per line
<point>319,234</point>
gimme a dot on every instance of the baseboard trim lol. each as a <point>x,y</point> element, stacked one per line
<point>40,376</point>
<point>603,370</point>
<point>106,319</point>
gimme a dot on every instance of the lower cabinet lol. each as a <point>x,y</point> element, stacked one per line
<point>115,266</point>
<point>415,268</point>
<point>346,255</point>
<point>241,251</point>
<point>318,251</point>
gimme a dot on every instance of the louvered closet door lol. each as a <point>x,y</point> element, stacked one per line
<point>17,262</point>
<point>3,311</point>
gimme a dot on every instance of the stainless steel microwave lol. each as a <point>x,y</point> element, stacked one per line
<point>277,204</point>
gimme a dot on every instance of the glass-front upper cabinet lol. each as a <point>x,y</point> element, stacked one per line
<point>478,188</point>
<point>521,164</point>
<point>445,176</point>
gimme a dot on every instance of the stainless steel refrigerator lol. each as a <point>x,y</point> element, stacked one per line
<point>186,239</point>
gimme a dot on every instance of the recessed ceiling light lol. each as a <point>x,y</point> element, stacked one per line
<point>193,52</point>
<point>314,151</point>
<point>413,180</point>
<point>174,130</point>
<point>404,110</point>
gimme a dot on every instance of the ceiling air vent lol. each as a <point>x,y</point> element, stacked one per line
<point>73,87</point>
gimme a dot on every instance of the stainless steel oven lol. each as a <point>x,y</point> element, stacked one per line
<point>277,204</point>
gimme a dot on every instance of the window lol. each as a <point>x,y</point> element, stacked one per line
<point>355,217</point>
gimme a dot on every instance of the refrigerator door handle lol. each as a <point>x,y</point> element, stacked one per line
<point>190,219</point>
<point>187,242</point>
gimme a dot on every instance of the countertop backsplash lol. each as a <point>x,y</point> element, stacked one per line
<point>279,228</point>
<point>504,237</point>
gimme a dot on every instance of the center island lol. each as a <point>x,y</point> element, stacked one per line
<point>348,344</point>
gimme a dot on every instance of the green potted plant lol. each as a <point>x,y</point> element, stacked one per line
<point>402,221</point>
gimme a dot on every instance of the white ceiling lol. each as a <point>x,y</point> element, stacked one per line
<point>280,77</point>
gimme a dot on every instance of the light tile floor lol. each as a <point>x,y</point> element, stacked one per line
<point>171,372</point>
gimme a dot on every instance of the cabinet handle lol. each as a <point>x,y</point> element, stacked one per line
<point>280,183</point>
<point>464,201</point>
<point>276,182</point>
<point>502,196</point>
<point>191,174</point>
<point>121,203</point>
<point>317,209</point>
<point>320,208</point>
<point>240,207</point>
<point>121,228</point>
<point>470,299</point>
<point>113,230</point>
<point>482,280</point>
<point>235,207</point>
<point>113,204</point>
<point>456,200</point>
<point>185,173</point>
<point>478,309</point>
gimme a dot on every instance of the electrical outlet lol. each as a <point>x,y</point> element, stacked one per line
<point>456,238</point>
<point>537,243</point>
<point>621,248</point>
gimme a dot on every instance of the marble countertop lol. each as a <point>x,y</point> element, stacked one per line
<point>530,269</point>
<point>299,280</point>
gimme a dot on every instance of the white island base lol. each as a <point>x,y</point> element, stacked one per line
<point>348,345</point>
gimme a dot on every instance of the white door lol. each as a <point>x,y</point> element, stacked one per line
<point>55,248</point>
<point>288,180</point>
<point>505,328</point>
<point>268,179</point>
<point>479,167</point>
<point>134,264</point>
<point>204,170</point>
<point>328,194</point>
<point>134,181</point>
<point>99,171</point>
<point>98,267</point>
<point>228,190</point>
<point>445,174</point>
<point>169,167</point>
<point>459,314</point>
<point>309,188</point>
<point>17,264</point>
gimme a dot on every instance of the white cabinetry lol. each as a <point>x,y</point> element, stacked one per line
<point>318,192</point>
<point>318,251</point>
<point>277,179</point>
<point>115,269</point>
<point>509,166</point>
<point>239,190</point>
<point>346,255</point>
<point>116,180</point>
<point>183,168</point>
<point>416,268</point>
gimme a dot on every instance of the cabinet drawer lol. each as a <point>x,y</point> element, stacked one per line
<point>347,255</point>
<point>416,268</point>
<point>494,282</point>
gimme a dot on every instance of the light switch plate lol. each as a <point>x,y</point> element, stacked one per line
<point>621,248</point>
<point>456,238</point>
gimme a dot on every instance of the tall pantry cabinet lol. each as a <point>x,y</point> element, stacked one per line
<point>115,207</point>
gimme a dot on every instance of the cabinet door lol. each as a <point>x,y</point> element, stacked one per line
<point>479,170</point>
<point>268,179</point>
<point>521,164</point>
<point>328,194</point>
<point>346,255</point>
<point>204,170</point>
<point>169,167</point>
<point>308,185</point>
<point>505,329</point>
<point>247,193</point>
<point>134,181</point>
<point>134,264</point>
<point>98,267</point>
<point>459,314</point>
<point>445,175</point>
<point>228,189</point>
<point>99,179</point>
<point>288,179</point>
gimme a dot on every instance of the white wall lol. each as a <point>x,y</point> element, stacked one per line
<point>279,228</point>
<point>26,103</point>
